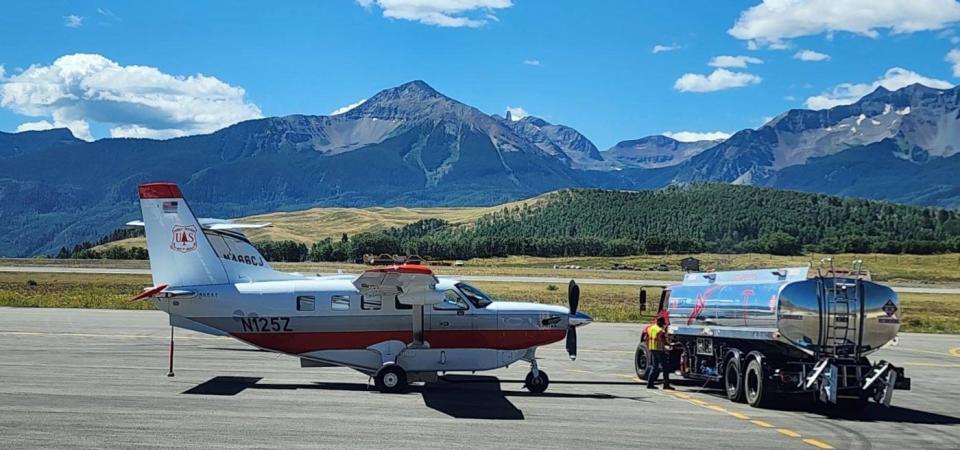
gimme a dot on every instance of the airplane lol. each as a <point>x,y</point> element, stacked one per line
<point>397,324</point>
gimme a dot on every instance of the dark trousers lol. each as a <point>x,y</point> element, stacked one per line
<point>659,361</point>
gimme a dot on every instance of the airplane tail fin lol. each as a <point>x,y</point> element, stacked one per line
<point>186,251</point>
<point>180,254</point>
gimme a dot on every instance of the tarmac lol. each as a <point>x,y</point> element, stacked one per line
<point>98,379</point>
<point>943,290</point>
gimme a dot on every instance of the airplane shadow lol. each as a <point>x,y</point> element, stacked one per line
<point>871,413</point>
<point>459,396</point>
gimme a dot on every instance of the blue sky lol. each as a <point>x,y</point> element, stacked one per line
<point>590,65</point>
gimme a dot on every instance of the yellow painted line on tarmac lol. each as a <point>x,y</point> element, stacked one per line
<point>738,415</point>
<point>925,364</point>
<point>681,395</point>
<point>818,443</point>
<point>716,408</point>
<point>951,352</point>
<point>629,377</point>
<point>578,371</point>
<point>761,423</point>
<point>788,432</point>
<point>697,401</point>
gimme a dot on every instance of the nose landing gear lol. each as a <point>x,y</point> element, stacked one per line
<point>537,380</point>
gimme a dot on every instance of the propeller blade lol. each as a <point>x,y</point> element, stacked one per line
<point>148,292</point>
<point>572,343</point>
<point>573,296</point>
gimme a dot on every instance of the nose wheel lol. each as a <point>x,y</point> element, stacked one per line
<point>537,380</point>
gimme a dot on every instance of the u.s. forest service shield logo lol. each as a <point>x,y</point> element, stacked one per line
<point>184,238</point>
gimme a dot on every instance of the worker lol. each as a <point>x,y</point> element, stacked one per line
<point>657,343</point>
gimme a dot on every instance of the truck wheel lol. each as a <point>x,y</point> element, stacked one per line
<point>733,380</point>
<point>390,379</point>
<point>755,387</point>
<point>641,360</point>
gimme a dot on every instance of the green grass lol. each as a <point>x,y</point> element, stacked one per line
<point>924,313</point>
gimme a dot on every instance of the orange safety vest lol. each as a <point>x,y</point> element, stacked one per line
<point>653,333</point>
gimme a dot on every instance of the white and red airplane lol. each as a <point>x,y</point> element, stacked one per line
<point>397,324</point>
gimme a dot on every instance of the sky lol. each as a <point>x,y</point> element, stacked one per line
<point>614,70</point>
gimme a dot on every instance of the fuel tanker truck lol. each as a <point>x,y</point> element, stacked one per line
<point>760,333</point>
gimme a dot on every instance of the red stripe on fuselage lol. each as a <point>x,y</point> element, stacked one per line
<point>302,342</point>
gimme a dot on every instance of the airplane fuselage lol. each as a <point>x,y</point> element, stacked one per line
<point>327,320</point>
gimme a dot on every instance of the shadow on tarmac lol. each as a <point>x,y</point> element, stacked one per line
<point>459,396</point>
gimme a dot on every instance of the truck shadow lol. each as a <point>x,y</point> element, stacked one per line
<point>459,396</point>
<point>871,413</point>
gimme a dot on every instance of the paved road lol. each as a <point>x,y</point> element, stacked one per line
<point>486,278</point>
<point>95,379</point>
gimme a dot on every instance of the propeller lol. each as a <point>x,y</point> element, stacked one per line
<point>573,298</point>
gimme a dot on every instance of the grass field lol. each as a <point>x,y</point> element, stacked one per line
<point>921,312</point>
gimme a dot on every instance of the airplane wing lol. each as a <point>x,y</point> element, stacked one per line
<point>412,284</point>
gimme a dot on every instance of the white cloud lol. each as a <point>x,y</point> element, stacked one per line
<point>107,13</point>
<point>892,79</point>
<point>441,13</point>
<point>72,21</point>
<point>694,136</point>
<point>733,61</point>
<point>953,57</point>
<point>810,55</point>
<point>718,80</point>
<point>517,113</point>
<point>532,62</point>
<point>772,21</point>
<point>344,109</point>
<point>35,126</point>
<point>140,101</point>
<point>665,48</point>
<point>3,71</point>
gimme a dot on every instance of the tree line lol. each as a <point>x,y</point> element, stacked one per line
<point>711,218</point>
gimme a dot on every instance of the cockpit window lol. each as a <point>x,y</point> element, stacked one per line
<point>479,298</point>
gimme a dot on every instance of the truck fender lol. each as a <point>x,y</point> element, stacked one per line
<point>755,355</point>
<point>732,353</point>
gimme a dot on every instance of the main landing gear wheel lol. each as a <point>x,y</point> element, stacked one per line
<point>537,384</point>
<point>391,379</point>
<point>640,361</point>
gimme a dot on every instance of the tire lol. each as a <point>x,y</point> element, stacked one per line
<point>733,380</point>
<point>641,359</point>
<point>756,389</point>
<point>391,379</point>
<point>537,385</point>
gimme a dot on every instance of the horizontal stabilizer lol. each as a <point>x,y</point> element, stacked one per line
<point>215,224</point>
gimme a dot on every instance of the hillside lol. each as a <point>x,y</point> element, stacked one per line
<point>314,224</point>
<point>716,218</point>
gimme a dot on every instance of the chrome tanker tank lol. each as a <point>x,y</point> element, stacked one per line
<point>821,315</point>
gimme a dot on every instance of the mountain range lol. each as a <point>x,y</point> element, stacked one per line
<point>413,146</point>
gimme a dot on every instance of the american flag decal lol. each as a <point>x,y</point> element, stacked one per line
<point>170,207</point>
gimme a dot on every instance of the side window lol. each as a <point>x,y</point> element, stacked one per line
<point>340,303</point>
<point>306,303</point>
<point>400,306</point>
<point>451,301</point>
<point>371,303</point>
